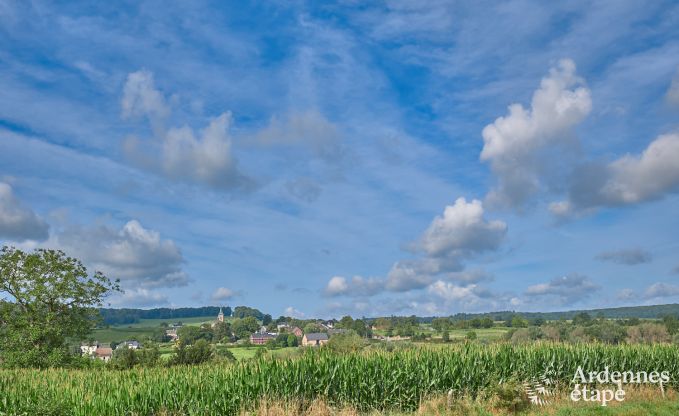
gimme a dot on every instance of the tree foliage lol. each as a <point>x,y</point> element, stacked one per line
<point>48,299</point>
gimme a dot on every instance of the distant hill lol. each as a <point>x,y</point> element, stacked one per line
<point>132,316</point>
<point>643,312</point>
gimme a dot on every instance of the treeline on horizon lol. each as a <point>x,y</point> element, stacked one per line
<point>124,316</point>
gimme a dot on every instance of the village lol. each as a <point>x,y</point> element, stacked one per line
<point>285,333</point>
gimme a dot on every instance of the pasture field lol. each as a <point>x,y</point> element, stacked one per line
<point>367,381</point>
<point>141,329</point>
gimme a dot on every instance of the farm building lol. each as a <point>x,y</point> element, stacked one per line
<point>261,338</point>
<point>315,339</point>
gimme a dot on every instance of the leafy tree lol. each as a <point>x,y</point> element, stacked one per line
<point>471,336</point>
<point>49,298</point>
<point>582,319</point>
<point>671,324</point>
<point>311,328</point>
<point>266,319</point>
<point>292,340</point>
<point>518,322</point>
<point>346,322</point>
<point>242,328</point>
<point>221,331</point>
<point>149,356</point>
<point>346,342</point>
<point>197,353</point>
<point>445,336</point>
<point>124,358</point>
<point>441,324</point>
<point>245,312</point>
<point>190,334</point>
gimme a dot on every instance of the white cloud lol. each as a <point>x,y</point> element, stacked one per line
<point>18,222</point>
<point>141,98</point>
<point>139,298</point>
<point>462,230</point>
<point>294,313</point>
<point>179,153</point>
<point>137,256</point>
<point>459,234</point>
<point>223,293</point>
<point>630,179</point>
<point>661,290</point>
<point>309,129</point>
<point>566,290</point>
<point>628,257</point>
<point>358,286</point>
<point>519,144</point>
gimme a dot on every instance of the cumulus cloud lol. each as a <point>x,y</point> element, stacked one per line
<point>294,313</point>
<point>461,233</point>
<point>518,145</point>
<point>137,256</point>
<point>566,290</point>
<point>462,230</point>
<point>661,290</point>
<point>141,98</point>
<point>17,221</point>
<point>223,293</point>
<point>140,298</point>
<point>629,180</point>
<point>357,286</point>
<point>628,257</point>
<point>180,153</point>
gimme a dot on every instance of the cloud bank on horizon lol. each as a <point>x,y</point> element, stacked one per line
<point>376,160</point>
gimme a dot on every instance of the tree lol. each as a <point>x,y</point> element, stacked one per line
<point>190,334</point>
<point>582,319</point>
<point>471,336</point>
<point>440,324</point>
<point>445,337</point>
<point>292,340</point>
<point>266,319</point>
<point>242,328</point>
<point>347,342</point>
<point>197,353</point>
<point>671,324</point>
<point>49,298</point>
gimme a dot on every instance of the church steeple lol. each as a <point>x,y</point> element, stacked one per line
<point>220,316</point>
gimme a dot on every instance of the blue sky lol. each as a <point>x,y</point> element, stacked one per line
<point>319,159</point>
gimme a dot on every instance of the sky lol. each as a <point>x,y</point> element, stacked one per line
<point>317,159</point>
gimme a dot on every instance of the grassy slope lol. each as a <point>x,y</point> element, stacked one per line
<point>141,329</point>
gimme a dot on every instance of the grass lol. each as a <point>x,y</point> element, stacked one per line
<point>640,402</point>
<point>141,329</point>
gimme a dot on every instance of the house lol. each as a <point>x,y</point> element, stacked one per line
<point>282,326</point>
<point>172,333</point>
<point>332,332</point>
<point>87,349</point>
<point>134,345</point>
<point>261,338</point>
<point>263,329</point>
<point>315,339</point>
<point>298,332</point>
<point>103,353</point>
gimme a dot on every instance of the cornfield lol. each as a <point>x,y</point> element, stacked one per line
<point>366,380</point>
